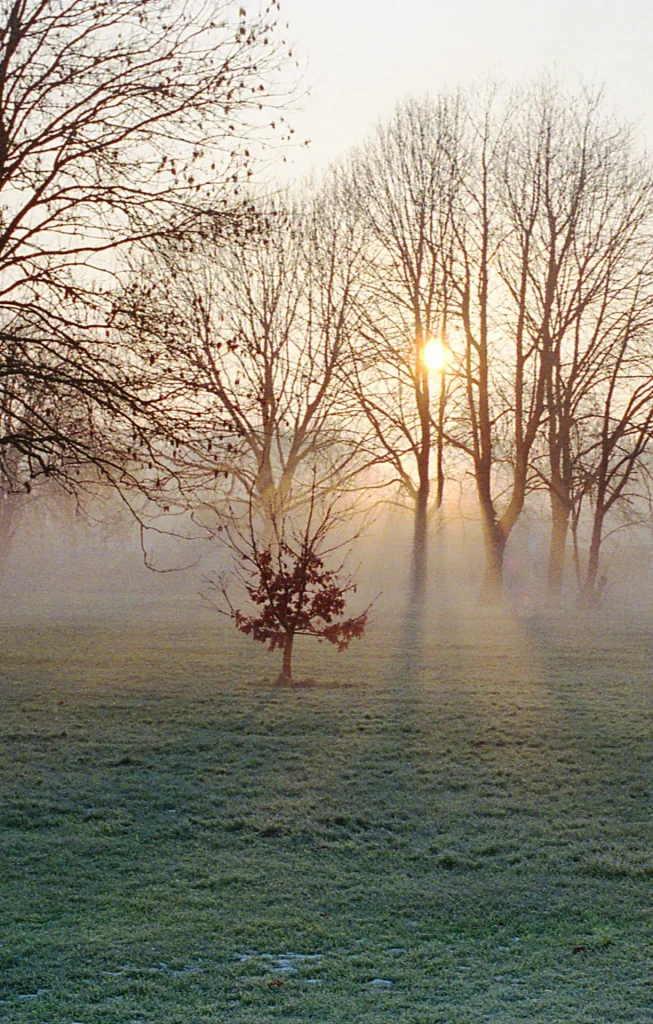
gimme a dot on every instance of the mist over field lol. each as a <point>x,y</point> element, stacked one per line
<point>454,826</point>
<point>60,564</point>
<point>449,821</point>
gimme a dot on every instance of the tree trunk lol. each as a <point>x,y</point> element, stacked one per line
<point>285,676</point>
<point>558,546</point>
<point>494,542</point>
<point>576,549</point>
<point>591,594</point>
<point>439,492</point>
<point>420,549</point>
<point>492,585</point>
<point>422,397</point>
<point>10,508</point>
<point>5,550</point>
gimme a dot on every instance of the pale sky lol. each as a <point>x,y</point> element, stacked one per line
<point>363,56</point>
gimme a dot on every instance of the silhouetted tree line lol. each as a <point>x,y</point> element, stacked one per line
<point>165,330</point>
<point>516,228</point>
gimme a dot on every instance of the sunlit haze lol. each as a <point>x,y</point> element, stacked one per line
<point>361,58</point>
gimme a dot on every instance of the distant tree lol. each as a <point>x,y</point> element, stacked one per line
<point>617,442</point>
<point>291,589</point>
<point>119,121</point>
<point>598,208</point>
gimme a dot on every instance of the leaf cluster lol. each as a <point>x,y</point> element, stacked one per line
<point>297,594</point>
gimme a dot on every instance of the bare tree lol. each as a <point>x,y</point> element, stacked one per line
<point>400,186</point>
<point>256,333</point>
<point>118,120</point>
<point>599,214</point>
<point>612,464</point>
<point>501,403</point>
<point>517,225</point>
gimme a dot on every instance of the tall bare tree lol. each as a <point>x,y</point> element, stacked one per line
<point>400,186</point>
<point>500,362</point>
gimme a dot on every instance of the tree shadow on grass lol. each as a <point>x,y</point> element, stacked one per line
<point>308,683</point>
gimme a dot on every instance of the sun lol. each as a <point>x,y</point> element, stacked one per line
<point>434,355</point>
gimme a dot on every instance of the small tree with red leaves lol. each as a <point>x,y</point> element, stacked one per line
<point>292,591</point>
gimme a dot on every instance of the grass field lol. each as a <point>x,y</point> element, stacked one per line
<point>460,837</point>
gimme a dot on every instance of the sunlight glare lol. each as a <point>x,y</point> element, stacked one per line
<point>435,355</point>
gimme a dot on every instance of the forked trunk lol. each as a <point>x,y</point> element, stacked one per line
<point>558,546</point>
<point>492,585</point>
<point>494,543</point>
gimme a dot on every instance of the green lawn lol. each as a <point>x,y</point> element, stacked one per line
<point>182,842</point>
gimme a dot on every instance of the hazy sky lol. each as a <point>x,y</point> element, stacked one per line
<point>362,56</point>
